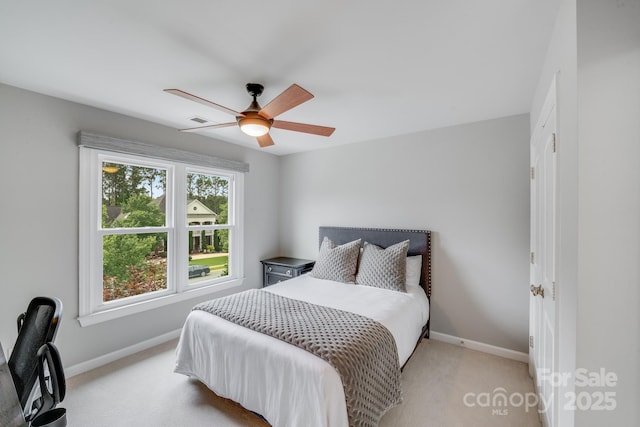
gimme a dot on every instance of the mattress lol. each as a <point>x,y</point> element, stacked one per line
<point>287,385</point>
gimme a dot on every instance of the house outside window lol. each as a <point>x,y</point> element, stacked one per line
<point>154,231</point>
<point>199,214</point>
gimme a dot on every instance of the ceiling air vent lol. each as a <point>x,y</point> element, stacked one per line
<point>198,120</point>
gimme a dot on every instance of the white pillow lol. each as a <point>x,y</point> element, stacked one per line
<point>414,268</point>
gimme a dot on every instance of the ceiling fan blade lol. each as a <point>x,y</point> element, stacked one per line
<point>303,127</point>
<point>265,140</point>
<point>217,125</point>
<point>203,101</point>
<point>291,97</point>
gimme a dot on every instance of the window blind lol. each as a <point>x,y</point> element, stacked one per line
<point>101,142</point>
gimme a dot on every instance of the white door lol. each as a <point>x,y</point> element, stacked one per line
<point>542,354</point>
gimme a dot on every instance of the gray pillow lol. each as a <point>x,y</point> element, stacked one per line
<point>337,263</point>
<point>384,268</point>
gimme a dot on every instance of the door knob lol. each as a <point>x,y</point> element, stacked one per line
<point>537,290</point>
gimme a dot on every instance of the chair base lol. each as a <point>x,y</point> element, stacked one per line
<point>54,418</point>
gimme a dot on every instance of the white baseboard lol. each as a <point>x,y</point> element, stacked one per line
<point>127,351</point>
<point>479,346</point>
<point>119,354</point>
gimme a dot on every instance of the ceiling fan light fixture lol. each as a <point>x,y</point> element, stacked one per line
<point>254,126</point>
<point>110,168</point>
<point>256,121</point>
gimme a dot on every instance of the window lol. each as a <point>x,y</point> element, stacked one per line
<point>154,231</point>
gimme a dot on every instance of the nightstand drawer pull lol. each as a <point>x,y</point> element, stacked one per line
<point>288,273</point>
<point>269,269</point>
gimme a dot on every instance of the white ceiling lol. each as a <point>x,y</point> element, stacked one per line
<point>376,68</point>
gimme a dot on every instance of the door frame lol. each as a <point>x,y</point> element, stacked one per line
<point>548,415</point>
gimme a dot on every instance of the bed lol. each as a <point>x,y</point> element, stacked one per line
<point>288,385</point>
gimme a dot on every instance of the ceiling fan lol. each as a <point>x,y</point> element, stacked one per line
<point>255,120</point>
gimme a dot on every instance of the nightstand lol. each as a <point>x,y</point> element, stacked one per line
<point>278,269</point>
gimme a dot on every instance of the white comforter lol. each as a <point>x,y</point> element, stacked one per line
<point>283,383</point>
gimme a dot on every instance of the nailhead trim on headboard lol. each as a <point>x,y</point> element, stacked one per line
<point>354,232</point>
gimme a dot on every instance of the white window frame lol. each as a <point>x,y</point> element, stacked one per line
<point>92,309</point>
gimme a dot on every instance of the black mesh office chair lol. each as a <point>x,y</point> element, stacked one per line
<point>34,356</point>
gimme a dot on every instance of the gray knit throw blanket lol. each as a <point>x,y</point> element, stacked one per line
<point>361,350</point>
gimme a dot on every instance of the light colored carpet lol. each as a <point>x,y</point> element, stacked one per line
<point>444,386</point>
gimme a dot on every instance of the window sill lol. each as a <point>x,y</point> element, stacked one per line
<point>142,306</point>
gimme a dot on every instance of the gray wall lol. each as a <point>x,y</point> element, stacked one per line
<point>608,317</point>
<point>469,184</point>
<point>39,215</point>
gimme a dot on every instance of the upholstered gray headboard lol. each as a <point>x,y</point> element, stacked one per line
<point>419,244</point>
